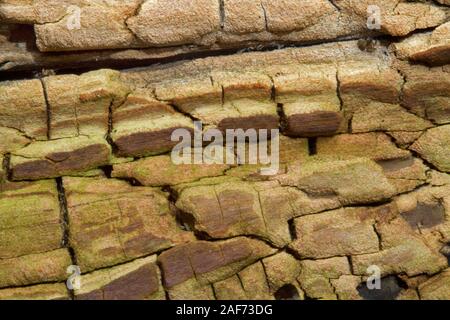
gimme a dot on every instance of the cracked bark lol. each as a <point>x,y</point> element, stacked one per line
<point>320,176</point>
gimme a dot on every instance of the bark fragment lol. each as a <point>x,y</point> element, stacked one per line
<point>112,222</point>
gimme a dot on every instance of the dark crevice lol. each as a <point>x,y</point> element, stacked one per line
<point>394,140</point>
<point>333,3</point>
<point>390,288</point>
<point>350,125</point>
<point>213,291</point>
<point>280,110</point>
<point>401,99</point>
<point>48,109</point>
<point>64,212</point>
<point>77,68</point>
<point>204,236</point>
<point>292,229</point>
<point>161,271</point>
<point>312,146</point>
<point>241,283</point>
<point>109,138</point>
<point>420,186</point>
<point>293,253</point>
<point>338,91</point>
<point>185,221</point>
<point>336,294</point>
<point>367,44</point>
<point>4,63</point>
<point>281,115</point>
<point>222,13</point>
<point>22,34</point>
<point>201,235</point>
<point>374,204</point>
<point>350,264</point>
<point>173,194</point>
<point>136,12</point>
<point>6,166</point>
<point>425,162</point>
<point>107,170</point>
<point>131,181</point>
<point>266,22</point>
<point>446,252</point>
<point>30,285</point>
<point>380,246</point>
<point>265,272</point>
<point>179,110</point>
<point>166,293</point>
<point>65,225</point>
<point>273,93</point>
<point>287,292</point>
